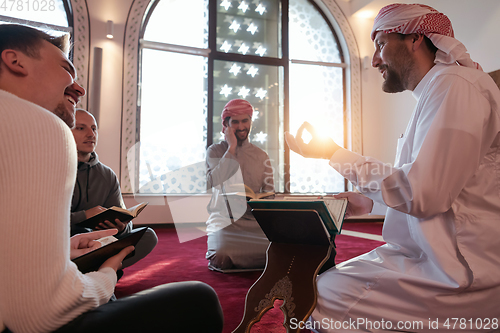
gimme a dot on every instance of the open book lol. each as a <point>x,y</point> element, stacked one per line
<point>245,191</point>
<point>111,246</point>
<point>111,214</point>
<point>336,207</point>
<point>300,221</point>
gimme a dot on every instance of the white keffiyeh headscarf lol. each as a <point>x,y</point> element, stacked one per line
<point>422,19</point>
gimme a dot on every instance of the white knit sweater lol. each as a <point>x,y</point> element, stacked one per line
<point>40,288</point>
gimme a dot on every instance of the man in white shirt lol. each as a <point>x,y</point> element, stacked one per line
<point>442,257</point>
<point>41,289</point>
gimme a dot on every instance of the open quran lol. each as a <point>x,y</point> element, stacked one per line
<point>300,220</point>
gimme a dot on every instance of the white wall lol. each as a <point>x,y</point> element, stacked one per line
<point>476,24</point>
<point>100,12</point>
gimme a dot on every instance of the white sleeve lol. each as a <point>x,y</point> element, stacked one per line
<point>220,169</point>
<point>268,176</point>
<point>40,288</point>
<point>453,143</point>
<point>378,209</point>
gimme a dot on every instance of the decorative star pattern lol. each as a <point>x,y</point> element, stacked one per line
<point>260,93</point>
<point>226,4</point>
<point>244,27</point>
<point>252,28</point>
<point>235,69</point>
<point>243,6</point>
<point>252,71</point>
<point>226,90</point>
<point>235,26</point>
<point>255,115</point>
<point>240,35</point>
<point>229,19</point>
<point>260,9</point>
<point>244,92</point>
<point>243,49</point>
<point>226,47</point>
<point>260,137</point>
<point>261,50</point>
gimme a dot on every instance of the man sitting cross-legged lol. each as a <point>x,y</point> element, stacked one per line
<point>97,188</point>
<point>41,289</point>
<point>240,244</point>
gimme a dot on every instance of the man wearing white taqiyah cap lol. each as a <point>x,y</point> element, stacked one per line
<point>235,239</point>
<point>442,203</point>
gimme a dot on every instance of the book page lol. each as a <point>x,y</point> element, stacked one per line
<point>285,206</point>
<point>263,195</point>
<point>132,211</point>
<point>249,193</point>
<point>337,208</point>
<point>138,208</point>
<point>303,198</point>
<point>92,260</point>
<point>240,188</point>
<point>121,210</point>
<point>107,240</point>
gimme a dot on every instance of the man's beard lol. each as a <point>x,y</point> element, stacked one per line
<point>68,117</point>
<point>398,73</point>
<point>393,82</point>
<point>240,141</point>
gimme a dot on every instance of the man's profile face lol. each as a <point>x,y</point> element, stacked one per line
<point>85,132</point>
<point>55,77</point>
<point>393,60</point>
<point>241,124</point>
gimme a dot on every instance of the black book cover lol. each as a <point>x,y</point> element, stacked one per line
<point>91,261</point>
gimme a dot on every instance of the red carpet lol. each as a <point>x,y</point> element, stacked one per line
<point>374,228</point>
<point>172,261</point>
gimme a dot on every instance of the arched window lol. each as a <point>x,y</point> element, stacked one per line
<point>284,57</point>
<point>48,15</point>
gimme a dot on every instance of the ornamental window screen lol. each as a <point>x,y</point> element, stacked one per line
<point>281,56</point>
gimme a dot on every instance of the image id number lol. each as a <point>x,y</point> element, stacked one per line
<point>471,324</point>
<point>27,6</point>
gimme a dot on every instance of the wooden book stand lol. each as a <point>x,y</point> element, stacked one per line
<point>292,264</point>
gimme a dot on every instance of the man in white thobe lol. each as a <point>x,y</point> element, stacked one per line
<point>235,239</point>
<point>440,268</point>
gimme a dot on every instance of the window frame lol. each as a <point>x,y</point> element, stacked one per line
<point>350,64</point>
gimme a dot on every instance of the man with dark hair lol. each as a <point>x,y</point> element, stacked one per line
<point>29,43</point>
<point>97,188</point>
<point>235,239</point>
<point>440,268</point>
<point>29,40</point>
<point>40,288</point>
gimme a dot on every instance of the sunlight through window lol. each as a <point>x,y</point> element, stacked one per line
<point>190,71</point>
<point>49,16</point>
